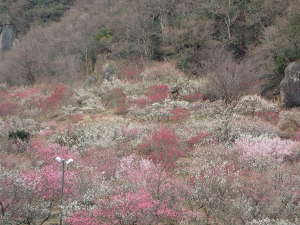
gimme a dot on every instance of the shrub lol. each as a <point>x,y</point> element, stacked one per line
<point>59,94</point>
<point>16,198</point>
<point>263,147</point>
<point>268,221</point>
<point>161,73</point>
<point>19,135</point>
<point>157,93</point>
<point>82,217</point>
<point>45,152</point>
<point>297,135</point>
<point>129,208</point>
<point>251,104</point>
<point>19,141</point>
<point>76,118</point>
<point>108,159</point>
<point>231,190</point>
<point>131,73</point>
<point>163,147</point>
<point>103,133</point>
<point>272,117</point>
<point>140,102</point>
<point>8,108</point>
<point>197,138</point>
<point>194,97</point>
<point>27,93</point>
<point>141,192</point>
<point>289,121</point>
<point>47,182</point>
<point>116,99</point>
<point>228,79</point>
<point>178,114</point>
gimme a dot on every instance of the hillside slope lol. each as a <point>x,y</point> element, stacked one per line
<point>146,155</point>
<point>158,104</point>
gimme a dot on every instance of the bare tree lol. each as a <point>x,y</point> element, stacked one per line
<point>229,79</point>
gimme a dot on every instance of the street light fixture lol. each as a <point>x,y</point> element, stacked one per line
<point>63,162</point>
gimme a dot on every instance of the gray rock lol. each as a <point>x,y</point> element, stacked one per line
<point>109,71</point>
<point>290,85</point>
<point>7,37</point>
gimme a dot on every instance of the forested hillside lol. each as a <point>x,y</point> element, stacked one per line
<point>194,34</point>
<point>23,14</point>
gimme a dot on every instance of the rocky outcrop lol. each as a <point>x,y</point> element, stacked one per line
<point>290,85</point>
<point>7,37</point>
<point>105,70</point>
<point>109,71</point>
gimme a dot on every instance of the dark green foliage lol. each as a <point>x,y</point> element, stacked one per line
<point>68,140</point>
<point>46,11</point>
<point>238,23</point>
<point>155,40</point>
<point>100,43</point>
<point>283,57</point>
<point>190,60</point>
<point>294,29</point>
<point>238,48</point>
<point>23,13</point>
<point>245,35</point>
<point>19,135</point>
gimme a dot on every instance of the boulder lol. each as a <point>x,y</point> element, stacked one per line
<point>109,71</point>
<point>7,37</point>
<point>290,85</point>
<point>105,69</point>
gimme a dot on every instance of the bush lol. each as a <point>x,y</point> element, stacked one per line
<point>229,79</point>
<point>268,148</point>
<point>162,147</point>
<point>194,97</point>
<point>251,104</point>
<point>19,135</point>
<point>231,191</point>
<point>198,138</point>
<point>268,221</point>
<point>178,114</point>
<point>15,195</point>
<point>8,108</point>
<point>47,182</point>
<point>24,14</point>
<point>59,94</point>
<point>116,99</point>
<point>157,93</point>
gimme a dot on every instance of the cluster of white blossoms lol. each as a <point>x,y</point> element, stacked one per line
<point>158,111</point>
<point>87,101</point>
<point>254,103</point>
<point>14,123</point>
<point>107,85</point>
<point>268,221</point>
<point>101,133</point>
<point>243,125</point>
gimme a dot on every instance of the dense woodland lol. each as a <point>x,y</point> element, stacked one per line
<point>169,109</point>
<point>262,35</point>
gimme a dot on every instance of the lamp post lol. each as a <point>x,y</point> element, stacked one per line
<point>63,162</point>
